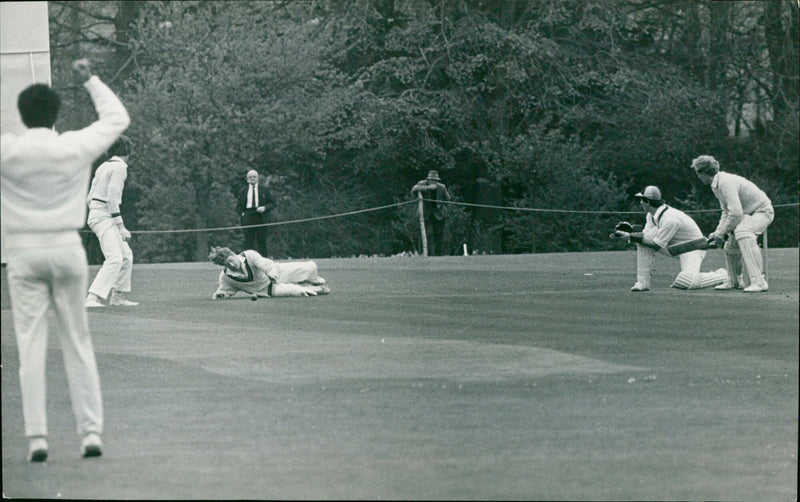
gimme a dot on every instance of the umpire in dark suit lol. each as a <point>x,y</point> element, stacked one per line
<point>253,205</point>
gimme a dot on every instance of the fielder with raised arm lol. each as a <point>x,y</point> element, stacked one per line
<point>667,226</point>
<point>44,178</point>
<point>250,273</point>
<point>746,213</point>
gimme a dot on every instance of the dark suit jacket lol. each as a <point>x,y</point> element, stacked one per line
<point>431,190</point>
<point>254,217</point>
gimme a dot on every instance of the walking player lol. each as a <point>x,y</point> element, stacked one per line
<point>746,213</point>
<point>105,220</point>
<point>666,226</point>
<point>44,178</point>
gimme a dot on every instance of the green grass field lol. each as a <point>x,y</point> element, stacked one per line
<point>482,377</point>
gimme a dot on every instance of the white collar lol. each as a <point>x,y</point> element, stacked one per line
<point>715,180</point>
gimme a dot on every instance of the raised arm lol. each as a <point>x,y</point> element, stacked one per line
<point>92,141</point>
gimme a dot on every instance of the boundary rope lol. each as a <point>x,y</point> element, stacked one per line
<point>398,204</point>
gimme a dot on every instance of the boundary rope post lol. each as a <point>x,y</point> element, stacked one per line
<point>422,225</point>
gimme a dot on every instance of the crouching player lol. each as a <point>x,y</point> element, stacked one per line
<point>256,276</point>
<point>666,226</point>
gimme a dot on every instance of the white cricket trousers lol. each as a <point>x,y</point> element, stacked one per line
<point>645,256</point>
<point>37,279</point>
<point>118,264</point>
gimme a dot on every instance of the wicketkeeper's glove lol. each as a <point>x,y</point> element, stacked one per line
<point>624,226</point>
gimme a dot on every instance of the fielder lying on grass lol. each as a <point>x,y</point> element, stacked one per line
<point>667,226</point>
<point>256,276</point>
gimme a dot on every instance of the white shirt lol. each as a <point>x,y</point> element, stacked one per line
<point>252,197</point>
<point>737,197</point>
<point>44,176</point>
<point>669,226</point>
<point>108,183</point>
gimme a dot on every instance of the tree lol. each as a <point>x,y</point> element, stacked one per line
<point>345,104</point>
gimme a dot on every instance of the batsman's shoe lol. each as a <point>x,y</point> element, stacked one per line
<point>120,300</point>
<point>37,449</point>
<point>91,446</point>
<point>92,302</point>
<point>639,287</point>
<point>757,288</point>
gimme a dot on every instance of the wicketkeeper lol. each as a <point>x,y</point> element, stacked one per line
<point>259,277</point>
<point>746,213</point>
<point>667,226</point>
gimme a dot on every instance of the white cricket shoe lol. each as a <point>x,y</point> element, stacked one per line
<point>37,449</point>
<point>639,287</point>
<point>757,288</point>
<point>91,446</point>
<point>92,302</point>
<point>726,285</point>
<point>120,300</point>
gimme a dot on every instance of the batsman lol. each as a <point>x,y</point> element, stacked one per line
<point>666,231</point>
<point>746,214</point>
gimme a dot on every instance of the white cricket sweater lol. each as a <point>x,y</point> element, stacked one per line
<point>737,196</point>
<point>44,176</point>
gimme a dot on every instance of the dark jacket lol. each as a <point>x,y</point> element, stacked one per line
<point>435,191</point>
<point>264,199</point>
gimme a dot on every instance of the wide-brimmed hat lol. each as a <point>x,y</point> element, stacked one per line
<point>650,193</point>
<point>434,175</point>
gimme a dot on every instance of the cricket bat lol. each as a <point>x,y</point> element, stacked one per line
<point>685,247</point>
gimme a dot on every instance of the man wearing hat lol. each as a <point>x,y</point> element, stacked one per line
<point>667,226</point>
<point>746,213</point>
<point>433,190</point>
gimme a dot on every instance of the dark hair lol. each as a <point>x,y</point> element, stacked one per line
<point>121,147</point>
<point>38,106</point>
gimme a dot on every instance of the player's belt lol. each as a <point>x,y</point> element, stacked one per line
<point>101,201</point>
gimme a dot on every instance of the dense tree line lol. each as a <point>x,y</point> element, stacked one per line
<point>548,104</point>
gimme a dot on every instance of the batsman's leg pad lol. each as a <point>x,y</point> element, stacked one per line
<point>733,264</point>
<point>751,256</point>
